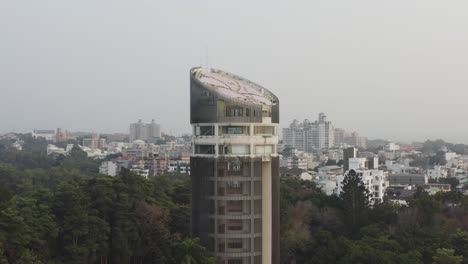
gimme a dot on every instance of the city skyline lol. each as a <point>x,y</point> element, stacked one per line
<point>400,77</point>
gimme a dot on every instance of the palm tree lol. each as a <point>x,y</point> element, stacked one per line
<point>189,251</point>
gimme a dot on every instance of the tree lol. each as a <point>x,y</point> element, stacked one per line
<point>153,226</point>
<point>287,151</point>
<point>446,256</point>
<point>355,201</point>
<point>425,206</point>
<point>189,251</point>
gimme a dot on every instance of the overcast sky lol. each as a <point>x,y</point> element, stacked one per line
<point>389,69</point>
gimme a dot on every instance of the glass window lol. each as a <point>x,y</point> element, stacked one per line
<point>234,149</point>
<point>204,131</point>
<point>235,244</point>
<point>266,149</point>
<point>234,165</point>
<point>240,149</point>
<point>204,149</point>
<point>236,261</point>
<point>235,228</point>
<point>235,225</point>
<point>234,187</point>
<point>266,112</point>
<point>233,111</point>
<point>234,130</point>
<point>234,206</point>
<point>264,130</point>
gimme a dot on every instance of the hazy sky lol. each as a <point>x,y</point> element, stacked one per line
<point>389,69</point>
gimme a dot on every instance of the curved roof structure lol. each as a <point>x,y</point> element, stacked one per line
<point>233,87</point>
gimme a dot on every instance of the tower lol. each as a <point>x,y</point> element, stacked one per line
<point>234,167</point>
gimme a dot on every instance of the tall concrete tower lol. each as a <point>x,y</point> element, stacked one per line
<point>235,167</point>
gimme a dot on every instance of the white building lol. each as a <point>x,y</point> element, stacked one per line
<point>94,153</point>
<point>309,136</point>
<point>450,155</point>
<point>53,149</point>
<point>306,176</point>
<point>330,172</point>
<point>335,154</point>
<point>398,168</point>
<point>17,145</point>
<point>374,181</point>
<point>140,170</point>
<point>147,132</point>
<point>327,186</point>
<point>178,166</point>
<point>108,168</point>
<point>46,134</point>
<point>437,172</point>
<point>293,136</point>
<point>392,147</point>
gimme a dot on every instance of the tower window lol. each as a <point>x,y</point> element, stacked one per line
<point>204,149</point>
<point>204,131</point>
<point>233,111</point>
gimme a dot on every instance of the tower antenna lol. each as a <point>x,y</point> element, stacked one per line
<point>206,55</point>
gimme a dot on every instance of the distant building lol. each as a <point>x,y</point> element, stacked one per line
<point>140,170</point>
<point>122,163</point>
<point>108,168</point>
<point>330,171</point>
<point>374,181</point>
<point>433,188</point>
<point>391,147</point>
<point>400,194</point>
<point>53,149</point>
<point>408,179</point>
<point>45,134</point>
<point>437,172</point>
<point>150,132</point>
<point>450,155</point>
<point>358,141</point>
<point>157,166</point>
<point>309,136</point>
<point>297,159</point>
<point>396,168</point>
<point>335,154</point>
<point>61,135</point>
<point>95,142</point>
<point>348,154</point>
<point>17,145</point>
<point>340,135</point>
<point>294,136</point>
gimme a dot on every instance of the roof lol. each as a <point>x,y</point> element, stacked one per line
<point>233,87</point>
<point>407,175</point>
<point>331,167</point>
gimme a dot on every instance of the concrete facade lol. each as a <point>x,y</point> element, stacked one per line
<point>235,168</point>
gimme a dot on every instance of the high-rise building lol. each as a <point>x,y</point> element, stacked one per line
<point>47,134</point>
<point>340,135</point>
<point>309,136</point>
<point>293,136</point>
<point>148,132</point>
<point>95,142</point>
<point>359,141</point>
<point>235,167</point>
<point>349,153</point>
<point>61,135</point>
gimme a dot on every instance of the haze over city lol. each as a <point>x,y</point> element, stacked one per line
<point>395,70</point>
